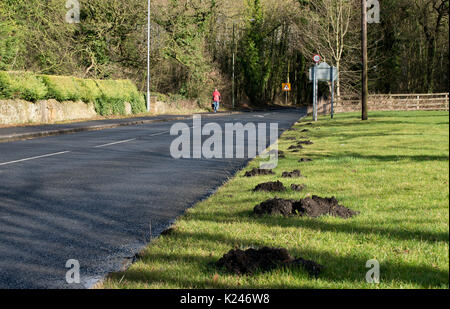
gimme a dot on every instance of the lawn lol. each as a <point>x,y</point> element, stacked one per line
<point>393,169</point>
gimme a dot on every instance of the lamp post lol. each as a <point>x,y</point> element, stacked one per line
<point>365,87</point>
<point>148,58</point>
<point>232,82</point>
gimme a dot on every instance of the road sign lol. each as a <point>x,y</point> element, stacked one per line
<point>323,72</point>
<point>317,58</point>
<point>286,87</point>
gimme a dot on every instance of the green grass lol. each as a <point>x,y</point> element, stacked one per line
<point>394,169</point>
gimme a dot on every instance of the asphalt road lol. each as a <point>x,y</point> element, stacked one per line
<point>92,197</point>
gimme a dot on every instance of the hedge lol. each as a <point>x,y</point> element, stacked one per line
<point>25,86</point>
<point>108,96</point>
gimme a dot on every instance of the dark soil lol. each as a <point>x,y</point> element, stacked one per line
<point>305,130</point>
<point>311,207</point>
<point>298,146</point>
<point>295,151</point>
<point>251,260</point>
<point>276,186</point>
<point>259,172</point>
<point>168,231</point>
<point>305,143</point>
<point>276,206</point>
<point>293,174</point>
<point>318,206</point>
<point>298,187</point>
<point>290,138</point>
<point>305,160</point>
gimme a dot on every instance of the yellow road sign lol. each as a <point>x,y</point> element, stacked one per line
<point>286,87</point>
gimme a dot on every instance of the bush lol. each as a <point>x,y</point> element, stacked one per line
<point>89,90</point>
<point>109,106</point>
<point>118,92</point>
<point>62,88</point>
<point>5,86</point>
<point>24,86</point>
<point>108,96</point>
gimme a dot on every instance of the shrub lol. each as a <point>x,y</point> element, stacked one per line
<point>5,86</point>
<point>89,90</point>
<point>109,106</point>
<point>62,88</point>
<point>24,85</point>
<point>108,96</point>
<point>118,92</point>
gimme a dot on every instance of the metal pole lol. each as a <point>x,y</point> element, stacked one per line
<point>332,92</point>
<point>365,87</point>
<point>148,58</point>
<point>232,82</point>
<point>315,96</point>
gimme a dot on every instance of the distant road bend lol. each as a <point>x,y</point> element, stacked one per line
<point>92,197</point>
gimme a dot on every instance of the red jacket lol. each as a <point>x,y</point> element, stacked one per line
<point>216,96</point>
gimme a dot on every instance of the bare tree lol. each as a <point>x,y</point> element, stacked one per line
<point>329,30</point>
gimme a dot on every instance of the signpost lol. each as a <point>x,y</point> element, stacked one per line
<point>322,72</point>
<point>287,87</point>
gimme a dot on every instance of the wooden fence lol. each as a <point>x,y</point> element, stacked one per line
<point>387,102</point>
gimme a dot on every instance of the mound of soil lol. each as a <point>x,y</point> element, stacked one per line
<point>168,231</point>
<point>298,146</point>
<point>311,207</point>
<point>293,174</point>
<point>308,142</point>
<point>276,206</point>
<point>305,130</point>
<point>265,259</point>
<point>290,138</point>
<point>259,172</point>
<point>318,206</point>
<point>295,151</point>
<point>305,160</point>
<point>298,188</point>
<point>276,186</point>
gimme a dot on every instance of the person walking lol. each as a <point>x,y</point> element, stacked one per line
<point>216,99</point>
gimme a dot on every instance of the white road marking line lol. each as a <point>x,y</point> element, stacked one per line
<point>115,143</point>
<point>34,158</point>
<point>130,140</point>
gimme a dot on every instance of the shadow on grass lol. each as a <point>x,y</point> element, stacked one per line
<point>338,269</point>
<point>382,158</point>
<point>319,225</point>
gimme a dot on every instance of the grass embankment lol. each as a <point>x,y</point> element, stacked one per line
<point>394,169</point>
<point>108,96</point>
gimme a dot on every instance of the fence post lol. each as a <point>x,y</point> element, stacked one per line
<point>446,101</point>
<point>418,102</point>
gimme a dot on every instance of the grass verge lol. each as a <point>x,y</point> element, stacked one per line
<point>394,169</point>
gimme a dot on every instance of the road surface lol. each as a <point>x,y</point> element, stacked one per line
<point>95,196</point>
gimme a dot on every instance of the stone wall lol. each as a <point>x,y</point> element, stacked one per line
<point>48,111</point>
